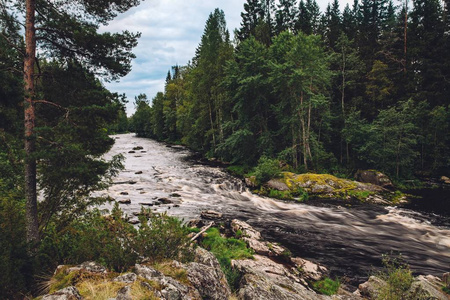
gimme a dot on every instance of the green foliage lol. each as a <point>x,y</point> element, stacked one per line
<point>266,169</point>
<point>398,277</point>
<point>113,242</point>
<point>161,237</point>
<point>327,286</point>
<point>238,170</point>
<point>14,261</point>
<point>226,249</point>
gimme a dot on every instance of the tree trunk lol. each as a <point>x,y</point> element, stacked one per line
<point>32,224</point>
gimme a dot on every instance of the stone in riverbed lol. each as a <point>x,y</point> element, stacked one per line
<point>125,201</point>
<point>146,203</point>
<point>124,193</point>
<point>138,172</point>
<point>211,215</point>
<point>138,148</point>
<point>165,201</point>
<point>131,151</point>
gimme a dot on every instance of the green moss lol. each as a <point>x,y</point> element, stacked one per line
<point>359,195</point>
<point>62,280</point>
<point>282,195</point>
<point>295,181</point>
<point>327,286</point>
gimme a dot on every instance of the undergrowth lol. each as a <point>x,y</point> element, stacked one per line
<point>226,249</point>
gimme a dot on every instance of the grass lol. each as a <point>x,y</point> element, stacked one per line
<point>226,249</point>
<point>169,270</point>
<point>327,286</point>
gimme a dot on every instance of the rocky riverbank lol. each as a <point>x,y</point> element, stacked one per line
<point>271,274</point>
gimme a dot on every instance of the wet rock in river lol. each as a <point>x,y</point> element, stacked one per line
<point>374,177</point>
<point>124,193</point>
<point>175,195</point>
<point>138,148</point>
<point>138,172</point>
<point>131,151</point>
<point>125,201</point>
<point>210,214</point>
<point>146,203</point>
<point>165,201</point>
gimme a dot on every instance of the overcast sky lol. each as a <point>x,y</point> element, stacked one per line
<point>171,31</point>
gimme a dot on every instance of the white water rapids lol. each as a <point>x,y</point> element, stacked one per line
<point>347,240</point>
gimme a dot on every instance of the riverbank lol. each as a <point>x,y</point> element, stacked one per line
<point>350,240</point>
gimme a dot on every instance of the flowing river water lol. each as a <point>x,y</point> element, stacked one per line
<point>349,241</point>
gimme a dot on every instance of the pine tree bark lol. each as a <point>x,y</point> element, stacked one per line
<point>32,225</point>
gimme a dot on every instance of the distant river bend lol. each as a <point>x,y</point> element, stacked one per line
<point>348,241</point>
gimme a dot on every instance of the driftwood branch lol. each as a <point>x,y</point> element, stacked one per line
<point>201,231</point>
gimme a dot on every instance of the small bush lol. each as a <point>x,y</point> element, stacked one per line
<point>327,286</point>
<point>266,169</point>
<point>398,277</point>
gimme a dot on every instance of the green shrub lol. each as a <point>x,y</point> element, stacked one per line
<point>398,277</point>
<point>14,261</point>
<point>111,241</point>
<point>327,286</point>
<point>266,169</point>
<point>226,249</point>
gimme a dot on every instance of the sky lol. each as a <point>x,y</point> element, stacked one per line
<point>171,31</point>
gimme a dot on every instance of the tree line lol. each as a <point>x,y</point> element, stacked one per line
<point>365,86</point>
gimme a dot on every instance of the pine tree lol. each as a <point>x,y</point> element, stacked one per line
<point>66,33</point>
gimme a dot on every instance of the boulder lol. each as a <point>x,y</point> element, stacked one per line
<point>309,270</point>
<point>165,201</point>
<point>254,240</point>
<point>206,275</point>
<point>89,266</point>
<point>138,172</point>
<point>426,287</point>
<point>265,279</point>
<point>138,148</point>
<point>211,215</point>
<point>68,293</point>
<point>124,193</point>
<point>277,184</point>
<point>374,177</point>
<point>127,278</point>
<point>125,201</point>
<point>124,293</point>
<point>372,287</point>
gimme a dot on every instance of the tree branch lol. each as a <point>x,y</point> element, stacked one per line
<point>12,44</point>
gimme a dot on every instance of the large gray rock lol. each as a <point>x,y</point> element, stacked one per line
<point>124,293</point>
<point>265,279</point>
<point>277,185</point>
<point>206,275</point>
<point>371,288</point>
<point>374,177</point>
<point>68,293</point>
<point>308,269</point>
<point>254,240</point>
<point>127,278</point>
<point>427,287</point>
<point>171,288</point>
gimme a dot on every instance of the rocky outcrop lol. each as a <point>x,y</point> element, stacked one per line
<point>325,186</point>
<point>374,177</point>
<point>68,293</point>
<point>422,287</point>
<point>207,277</point>
<point>254,240</point>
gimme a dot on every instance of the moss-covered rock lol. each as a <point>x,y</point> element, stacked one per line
<point>326,186</point>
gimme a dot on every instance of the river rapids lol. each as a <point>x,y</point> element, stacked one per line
<point>349,241</point>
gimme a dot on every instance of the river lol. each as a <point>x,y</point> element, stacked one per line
<point>349,241</point>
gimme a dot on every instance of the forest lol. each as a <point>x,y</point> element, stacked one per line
<point>356,87</point>
<point>360,87</point>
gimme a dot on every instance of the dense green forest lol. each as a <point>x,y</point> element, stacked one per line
<point>358,87</point>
